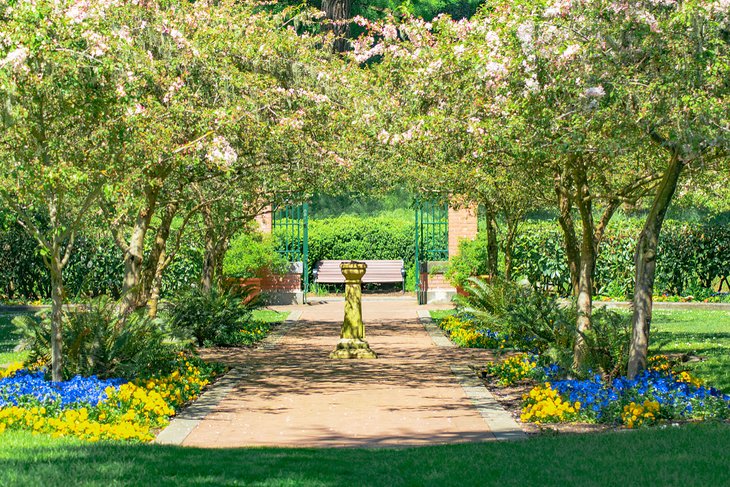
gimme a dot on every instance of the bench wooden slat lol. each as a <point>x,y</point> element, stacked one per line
<point>328,271</point>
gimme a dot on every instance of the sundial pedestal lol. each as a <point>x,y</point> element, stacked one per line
<point>352,342</point>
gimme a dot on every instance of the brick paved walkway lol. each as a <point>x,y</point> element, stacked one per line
<point>293,395</point>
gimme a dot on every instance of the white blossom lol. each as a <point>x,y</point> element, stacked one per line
<point>595,92</point>
<point>570,51</point>
<point>221,153</point>
<point>390,32</point>
<point>174,88</point>
<point>16,58</point>
<point>96,43</point>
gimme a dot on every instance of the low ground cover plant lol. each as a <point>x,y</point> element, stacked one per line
<point>95,409</point>
<point>599,392</point>
<point>98,340</point>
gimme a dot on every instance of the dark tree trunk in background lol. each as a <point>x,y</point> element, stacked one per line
<point>645,261</point>
<point>338,11</point>
<point>492,244</point>
<point>509,245</point>
<point>572,250</point>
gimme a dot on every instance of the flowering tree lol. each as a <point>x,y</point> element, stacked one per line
<point>680,60</point>
<point>573,92</point>
<point>62,126</point>
<point>224,99</point>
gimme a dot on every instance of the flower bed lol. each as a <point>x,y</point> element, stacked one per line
<point>467,334</point>
<point>94,409</point>
<point>660,394</point>
<point>512,369</point>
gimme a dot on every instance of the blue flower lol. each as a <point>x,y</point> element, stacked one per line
<point>28,387</point>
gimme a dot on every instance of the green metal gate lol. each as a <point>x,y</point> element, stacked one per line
<point>432,238</point>
<point>290,224</point>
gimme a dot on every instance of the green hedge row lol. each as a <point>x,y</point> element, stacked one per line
<point>690,258</point>
<point>95,267</point>
<point>352,237</point>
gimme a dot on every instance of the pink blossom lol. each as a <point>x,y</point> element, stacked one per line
<point>570,51</point>
<point>123,34</point>
<point>16,58</point>
<point>96,43</point>
<point>78,12</point>
<point>221,153</point>
<point>390,32</point>
<point>136,110</point>
<point>174,88</point>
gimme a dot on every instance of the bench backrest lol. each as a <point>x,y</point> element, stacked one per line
<point>328,271</point>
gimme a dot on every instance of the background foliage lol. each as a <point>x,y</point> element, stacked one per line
<point>691,257</point>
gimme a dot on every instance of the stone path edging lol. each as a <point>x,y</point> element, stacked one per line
<point>502,425</point>
<point>182,425</point>
<point>437,336</point>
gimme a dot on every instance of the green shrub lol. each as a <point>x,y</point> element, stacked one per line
<point>250,252</point>
<point>470,261</point>
<point>214,317</point>
<point>530,318</point>
<point>366,238</point>
<point>97,340</point>
<point>690,258</point>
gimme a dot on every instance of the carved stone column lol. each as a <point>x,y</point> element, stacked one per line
<point>352,342</point>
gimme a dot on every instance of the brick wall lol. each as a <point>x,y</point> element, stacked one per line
<point>462,225</point>
<point>280,282</point>
<point>269,282</point>
<point>434,281</point>
<point>264,221</point>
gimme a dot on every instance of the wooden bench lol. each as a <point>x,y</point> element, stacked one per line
<point>380,271</point>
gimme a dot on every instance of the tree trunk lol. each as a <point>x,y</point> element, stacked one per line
<point>134,253</point>
<point>338,11</point>
<point>155,265</point>
<point>492,244</point>
<point>156,287</point>
<point>509,245</point>
<point>209,263</point>
<point>587,265</point>
<point>645,262</point>
<point>565,219</point>
<point>159,260</point>
<point>57,298</point>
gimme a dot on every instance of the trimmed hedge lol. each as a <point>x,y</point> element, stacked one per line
<point>690,258</point>
<point>374,238</point>
<point>95,268</point>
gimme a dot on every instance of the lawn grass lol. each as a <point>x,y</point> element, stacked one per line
<point>8,341</point>
<point>699,332</point>
<point>440,314</point>
<point>704,333</point>
<point>269,315</point>
<point>688,455</point>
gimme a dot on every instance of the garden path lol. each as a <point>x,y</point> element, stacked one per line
<point>291,394</point>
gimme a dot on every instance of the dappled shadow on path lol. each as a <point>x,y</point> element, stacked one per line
<point>294,395</point>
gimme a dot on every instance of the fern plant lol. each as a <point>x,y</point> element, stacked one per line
<point>97,340</point>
